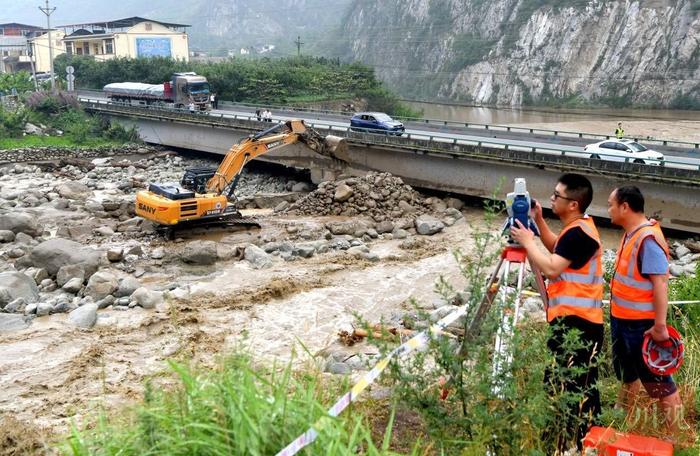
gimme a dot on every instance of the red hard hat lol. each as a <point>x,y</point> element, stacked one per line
<point>663,358</point>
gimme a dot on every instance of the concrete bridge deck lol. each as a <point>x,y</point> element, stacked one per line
<point>459,164</point>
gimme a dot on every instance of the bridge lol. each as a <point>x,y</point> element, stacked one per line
<point>440,158</point>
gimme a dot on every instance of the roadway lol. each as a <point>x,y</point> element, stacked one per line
<point>678,155</point>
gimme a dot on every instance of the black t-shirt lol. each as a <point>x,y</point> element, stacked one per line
<point>576,246</point>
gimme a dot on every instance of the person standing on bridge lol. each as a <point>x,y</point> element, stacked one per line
<point>639,303</point>
<point>619,131</point>
<point>214,101</point>
<point>575,295</point>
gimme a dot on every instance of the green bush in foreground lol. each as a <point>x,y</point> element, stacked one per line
<point>235,409</point>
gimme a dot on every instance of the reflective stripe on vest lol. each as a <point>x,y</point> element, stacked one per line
<point>579,292</point>
<point>632,294</point>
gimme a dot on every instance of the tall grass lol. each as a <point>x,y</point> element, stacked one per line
<point>236,409</point>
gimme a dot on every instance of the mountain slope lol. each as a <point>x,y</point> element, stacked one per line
<point>512,52</point>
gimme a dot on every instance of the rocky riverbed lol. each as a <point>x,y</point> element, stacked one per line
<point>93,300</point>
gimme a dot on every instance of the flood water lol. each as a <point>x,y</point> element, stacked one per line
<point>506,115</point>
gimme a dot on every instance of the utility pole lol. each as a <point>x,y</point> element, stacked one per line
<point>46,10</point>
<point>297,42</point>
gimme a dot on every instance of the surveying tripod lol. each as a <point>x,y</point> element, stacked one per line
<point>502,289</point>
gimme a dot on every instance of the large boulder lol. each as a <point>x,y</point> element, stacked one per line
<point>73,190</point>
<point>127,286</point>
<point>428,225</point>
<point>200,252</point>
<point>19,222</point>
<point>18,285</point>
<point>146,298</point>
<point>101,284</point>
<point>257,257</point>
<point>85,316</point>
<point>57,252</point>
<point>69,272</point>
<point>343,192</point>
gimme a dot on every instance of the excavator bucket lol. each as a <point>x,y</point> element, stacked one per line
<point>337,147</point>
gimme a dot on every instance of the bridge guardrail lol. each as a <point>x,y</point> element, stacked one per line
<point>430,143</point>
<point>455,124</point>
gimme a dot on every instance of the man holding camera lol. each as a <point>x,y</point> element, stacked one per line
<point>575,293</point>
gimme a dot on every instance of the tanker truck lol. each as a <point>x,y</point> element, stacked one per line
<point>179,92</point>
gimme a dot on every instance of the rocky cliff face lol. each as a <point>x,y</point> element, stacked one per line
<point>512,52</point>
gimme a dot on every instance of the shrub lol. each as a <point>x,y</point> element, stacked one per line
<point>12,122</point>
<point>46,103</point>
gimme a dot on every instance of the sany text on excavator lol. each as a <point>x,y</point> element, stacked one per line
<point>204,194</point>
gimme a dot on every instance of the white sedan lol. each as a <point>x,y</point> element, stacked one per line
<point>623,150</point>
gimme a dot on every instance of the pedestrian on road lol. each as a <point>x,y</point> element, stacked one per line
<point>191,106</point>
<point>214,101</point>
<point>639,303</point>
<point>619,131</point>
<point>258,114</point>
<point>575,295</point>
<point>267,115</point>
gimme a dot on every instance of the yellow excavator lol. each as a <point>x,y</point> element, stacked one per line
<point>205,196</point>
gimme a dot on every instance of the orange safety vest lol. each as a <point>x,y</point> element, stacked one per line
<point>632,294</point>
<point>579,292</point>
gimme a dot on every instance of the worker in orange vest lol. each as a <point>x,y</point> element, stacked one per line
<point>575,295</point>
<point>639,302</point>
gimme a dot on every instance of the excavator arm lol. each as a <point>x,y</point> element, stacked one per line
<point>277,137</point>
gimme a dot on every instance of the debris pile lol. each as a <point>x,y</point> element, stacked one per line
<point>380,196</point>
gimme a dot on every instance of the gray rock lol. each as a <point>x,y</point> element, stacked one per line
<point>19,285</point>
<point>385,227</point>
<point>19,222</point>
<point>343,192</point>
<point>676,270</point>
<point>454,203</point>
<point>427,225</point>
<point>340,228</point>
<point>690,268</point>
<point>301,187</point>
<point>38,274</point>
<point>115,254</point>
<point>16,253</point>
<point>158,253</point>
<point>104,231</point>
<point>30,309</point>
<point>399,233</point>
<point>304,251</point>
<point>43,308</point>
<point>24,238</point>
<point>5,297</point>
<point>282,206</point>
<point>16,305</point>
<point>12,322</point>
<point>73,285</point>
<point>62,306</point>
<point>105,302</point>
<point>257,257</point>
<point>200,252</point>
<point>73,190</point>
<point>85,316</point>
<point>146,298</point>
<point>127,286</point>
<point>55,253</point>
<point>338,368</point>
<point>122,301</point>
<point>7,236</point>
<point>101,284</point>
<point>69,272</point>
<point>682,251</point>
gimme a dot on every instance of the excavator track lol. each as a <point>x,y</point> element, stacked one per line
<point>228,222</point>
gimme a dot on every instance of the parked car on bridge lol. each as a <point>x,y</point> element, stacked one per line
<point>623,150</point>
<point>376,122</point>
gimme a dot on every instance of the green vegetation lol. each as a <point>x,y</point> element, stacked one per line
<point>273,81</point>
<point>62,120</point>
<point>19,81</point>
<point>236,409</point>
